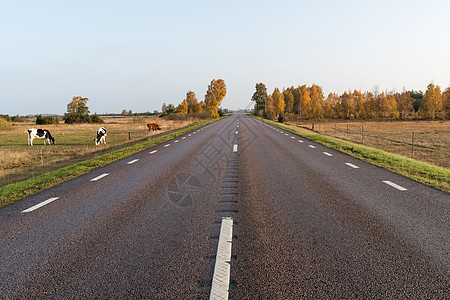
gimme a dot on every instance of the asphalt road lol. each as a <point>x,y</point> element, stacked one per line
<point>308,222</point>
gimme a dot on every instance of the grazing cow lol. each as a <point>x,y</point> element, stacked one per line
<point>101,136</point>
<point>40,133</point>
<point>153,126</point>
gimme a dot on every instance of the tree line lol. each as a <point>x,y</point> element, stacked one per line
<point>309,102</point>
<point>191,106</point>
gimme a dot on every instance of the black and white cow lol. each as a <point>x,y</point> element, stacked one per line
<point>101,134</point>
<point>40,133</point>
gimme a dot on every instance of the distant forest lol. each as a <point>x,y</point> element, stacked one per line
<point>309,102</point>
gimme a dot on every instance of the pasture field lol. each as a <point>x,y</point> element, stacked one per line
<point>74,143</point>
<point>431,138</point>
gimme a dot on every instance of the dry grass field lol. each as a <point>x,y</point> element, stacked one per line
<point>431,138</point>
<point>74,143</point>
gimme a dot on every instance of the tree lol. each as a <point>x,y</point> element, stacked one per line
<point>269,112</point>
<point>446,102</point>
<point>278,102</point>
<point>124,112</point>
<point>260,97</point>
<point>305,102</point>
<point>192,102</point>
<point>316,95</point>
<point>184,107</point>
<point>404,104</point>
<point>214,96</point>
<point>289,100</point>
<point>432,102</point>
<point>164,108</point>
<point>77,111</point>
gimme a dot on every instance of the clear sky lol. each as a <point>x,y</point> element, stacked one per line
<point>138,54</point>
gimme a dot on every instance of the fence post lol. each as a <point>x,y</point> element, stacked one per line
<point>412,145</point>
<point>362,133</point>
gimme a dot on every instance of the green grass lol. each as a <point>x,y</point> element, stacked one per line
<point>434,176</point>
<point>16,191</point>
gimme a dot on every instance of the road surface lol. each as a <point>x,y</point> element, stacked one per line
<point>237,209</point>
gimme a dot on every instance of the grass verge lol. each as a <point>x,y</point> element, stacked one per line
<point>16,191</point>
<point>434,176</point>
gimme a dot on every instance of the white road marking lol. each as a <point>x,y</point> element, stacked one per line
<point>352,165</point>
<point>400,188</point>
<point>300,141</point>
<point>154,151</point>
<point>286,134</point>
<point>222,268</point>
<point>292,137</point>
<point>176,141</point>
<point>311,146</point>
<point>100,177</point>
<point>165,146</point>
<point>40,204</point>
<point>189,134</point>
<point>183,137</point>
<point>132,162</point>
<point>235,148</point>
<point>236,132</point>
<point>327,154</point>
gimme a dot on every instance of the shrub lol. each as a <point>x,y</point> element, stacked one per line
<point>40,120</point>
<point>281,118</point>
<point>96,119</point>
<point>4,125</point>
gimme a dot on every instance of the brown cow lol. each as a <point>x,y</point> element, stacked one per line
<point>153,126</point>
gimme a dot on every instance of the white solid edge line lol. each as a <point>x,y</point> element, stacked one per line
<point>40,204</point>
<point>327,154</point>
<point>398,187</point>
<point>100,177</point>
<point>154,151</point>
<point>235,146</point>
<point>222,267</point>
<point>352,165</point>
<point>133,161</point>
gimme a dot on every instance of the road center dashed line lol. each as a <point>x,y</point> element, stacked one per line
<point>300,141</point>
<point>221,278</point>
<point>352,166</point>
<point>154,151</point>
<point>40,204</point>
<point>311,146</point>
<point>165,146</point>
<point>133,161</point>
<point>100,177</point>
<point>398,187</point>
<point>327,154</point>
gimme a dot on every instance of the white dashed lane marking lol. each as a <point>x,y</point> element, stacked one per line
<point>400,188</point>
<point>132,162</point>
<point>183,137</point>
<point>300,141</point>
<point>311,146</point>
<point>352,166</point>
<point>221,278</point>
<point>327,154</point>
<point>154,151</point>
<point>40,205</point>
<point>176,141</point>
<point>235,147</point>
<point>100,177</point>
<point>165,146</point>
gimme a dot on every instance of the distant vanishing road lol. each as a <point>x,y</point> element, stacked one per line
<point>236,209</point>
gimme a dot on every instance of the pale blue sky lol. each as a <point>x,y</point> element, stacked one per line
<point>138,54</point>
